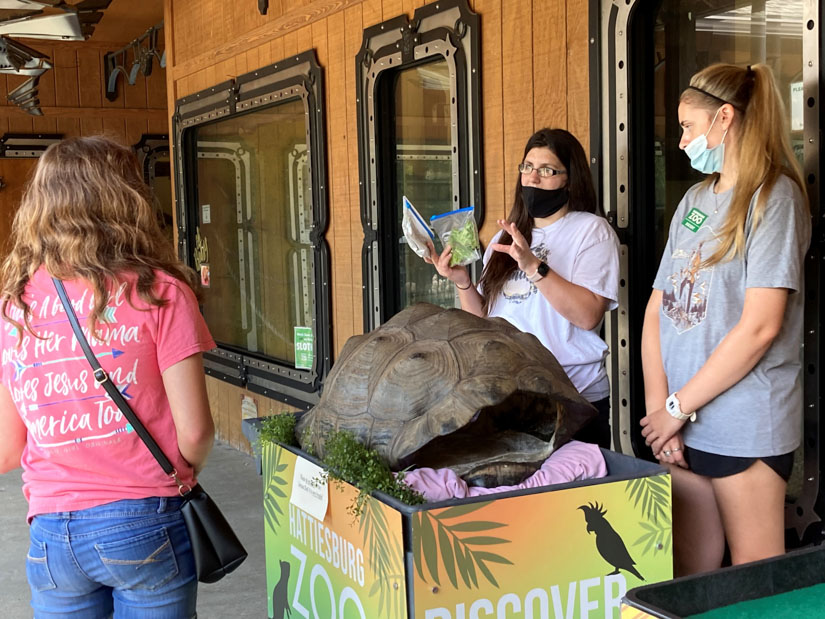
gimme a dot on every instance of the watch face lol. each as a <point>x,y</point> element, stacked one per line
<point>543,269</point>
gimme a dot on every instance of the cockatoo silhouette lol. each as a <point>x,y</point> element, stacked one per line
<point>608,542</point>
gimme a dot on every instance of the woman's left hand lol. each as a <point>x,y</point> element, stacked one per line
<point>519,249</point>
<point>673,452</point>
<point>658,427</point>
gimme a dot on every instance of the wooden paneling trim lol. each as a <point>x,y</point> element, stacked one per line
<point>104,113</point>
<point>293,20</point>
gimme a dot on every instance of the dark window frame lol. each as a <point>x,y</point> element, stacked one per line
<point>147,150</point>
<point>297,77</point>
<point>622,53</point>
<point>26,145</point>
<point>447,30</point>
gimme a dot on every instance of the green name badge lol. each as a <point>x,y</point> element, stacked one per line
<point>694,219</point>
<point>304,348</point>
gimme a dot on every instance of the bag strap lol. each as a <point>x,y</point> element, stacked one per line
<point>114,393</point>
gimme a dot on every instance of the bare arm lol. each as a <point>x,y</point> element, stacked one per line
<point>186,389</point>
<point>12,433</point>
<point>578,305</point>
<point>653,369</point>
<point>575,303</point>
<point>471,300</point>
<point>735,356</point>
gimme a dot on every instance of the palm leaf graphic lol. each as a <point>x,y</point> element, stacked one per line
<point>652,496</point>
<point>656,537</point>
<point>384,560</point>
<point>273,494</point>
<point>434,538</point>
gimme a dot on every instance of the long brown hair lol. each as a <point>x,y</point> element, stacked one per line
<point>762,145</point>
<point>570,153</point>
<point>87,214</point>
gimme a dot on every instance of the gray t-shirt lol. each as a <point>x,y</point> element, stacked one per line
<point>761,415</point>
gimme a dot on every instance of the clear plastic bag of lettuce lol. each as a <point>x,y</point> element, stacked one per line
<point>416,231</point>
<point>458,230</point>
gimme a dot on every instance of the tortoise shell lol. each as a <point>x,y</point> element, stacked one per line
<point>444,388</point>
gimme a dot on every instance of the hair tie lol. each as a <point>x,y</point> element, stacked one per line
<point>713,96</point>
<point>750,73</point>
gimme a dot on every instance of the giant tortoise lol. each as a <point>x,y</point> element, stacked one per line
<point>441,387</point>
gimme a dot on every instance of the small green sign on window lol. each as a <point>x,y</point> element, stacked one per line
<point>694,219</point>
<point>304,348</point>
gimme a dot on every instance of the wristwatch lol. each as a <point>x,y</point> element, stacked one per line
<point>541,271</point>
<point>674,408</point>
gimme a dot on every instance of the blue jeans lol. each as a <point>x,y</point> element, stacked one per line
<point>131,558</point>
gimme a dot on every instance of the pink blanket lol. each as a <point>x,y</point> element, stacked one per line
<point>572,462</point>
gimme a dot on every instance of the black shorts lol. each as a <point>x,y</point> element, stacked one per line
<point>714,465</point>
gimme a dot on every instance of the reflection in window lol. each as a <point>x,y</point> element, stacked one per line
<point>254,215</point>
<point>418,125</point>
<point>423,172</point>
<point>160,180</point>
<point>692,34</point>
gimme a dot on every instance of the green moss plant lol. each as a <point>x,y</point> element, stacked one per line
<point>348,460</point>
<point>278,429</point>
<point>345,459</point>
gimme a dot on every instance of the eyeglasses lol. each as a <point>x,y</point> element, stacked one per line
<point>544,172</point>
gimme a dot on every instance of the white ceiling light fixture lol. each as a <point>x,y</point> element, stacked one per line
<point>64,27</point>
<point>54,20</point>
<point>22,5</point>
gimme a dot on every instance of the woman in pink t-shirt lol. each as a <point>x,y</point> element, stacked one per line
<point>106,531</point>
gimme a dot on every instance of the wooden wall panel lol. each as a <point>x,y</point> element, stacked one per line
<point>496,195</point>
<point>549,65</point>
<point>534,72</point>
<point>353,27</point>
<point>72,97</point>
<point>578,71</point>
<point>517,83</point>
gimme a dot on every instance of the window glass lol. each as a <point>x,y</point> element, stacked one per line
<point>254,215</point>
<point>692,34</point>
<point>424,167</point>
<point>160,180</point>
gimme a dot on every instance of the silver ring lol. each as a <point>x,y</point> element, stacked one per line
<point>667,452</point>
<point>676,449</point>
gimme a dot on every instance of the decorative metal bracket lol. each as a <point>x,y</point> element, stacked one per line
<point>76,22</point>
<point>143,51</point>
<point>263,6</point>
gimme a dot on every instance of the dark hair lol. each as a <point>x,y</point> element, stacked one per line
<point>570,153</point>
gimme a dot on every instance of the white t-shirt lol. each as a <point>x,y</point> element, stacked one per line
<point>583,249</point>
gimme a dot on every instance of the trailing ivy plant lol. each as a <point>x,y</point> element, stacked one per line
<point>348,460</point>
<point>345,459</point>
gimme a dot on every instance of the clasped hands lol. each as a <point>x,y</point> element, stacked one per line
<point>663,433</point>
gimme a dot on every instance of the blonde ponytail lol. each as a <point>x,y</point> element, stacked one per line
<point>762,145</point>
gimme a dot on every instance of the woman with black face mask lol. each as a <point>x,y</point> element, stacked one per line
<point>553,268</point>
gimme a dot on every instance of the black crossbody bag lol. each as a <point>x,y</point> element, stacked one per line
<point>216,548</point>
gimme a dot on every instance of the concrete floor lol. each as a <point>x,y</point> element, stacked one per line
<point>232,480</point>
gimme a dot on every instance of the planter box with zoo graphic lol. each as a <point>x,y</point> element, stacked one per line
<point>569,550</point>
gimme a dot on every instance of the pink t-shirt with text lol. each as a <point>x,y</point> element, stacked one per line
<point>81,452</point>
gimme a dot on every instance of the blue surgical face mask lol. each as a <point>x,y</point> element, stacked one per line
<point>707,160</point>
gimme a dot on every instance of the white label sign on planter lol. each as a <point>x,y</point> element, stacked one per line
<point>310,489</point>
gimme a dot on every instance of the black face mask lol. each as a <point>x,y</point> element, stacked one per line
<point>544,202</point>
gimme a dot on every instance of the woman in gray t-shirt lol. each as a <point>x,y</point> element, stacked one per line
<point>723,328</point>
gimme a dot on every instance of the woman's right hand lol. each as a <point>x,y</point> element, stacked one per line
<point>457,274</point>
